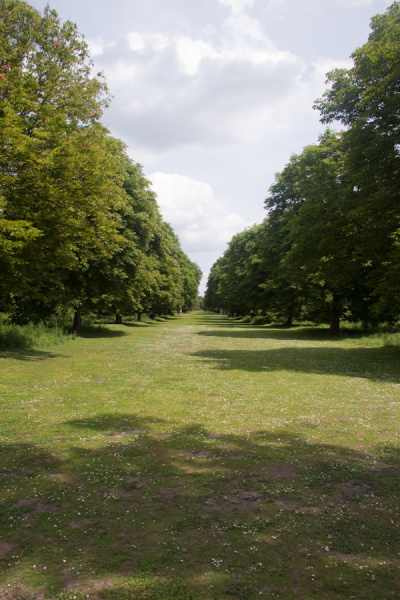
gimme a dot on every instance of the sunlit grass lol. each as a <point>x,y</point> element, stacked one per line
<point>200,458</point>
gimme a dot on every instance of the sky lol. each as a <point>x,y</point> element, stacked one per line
<point>212,97</point>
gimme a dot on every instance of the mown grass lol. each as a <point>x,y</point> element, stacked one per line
<point>200,459</point>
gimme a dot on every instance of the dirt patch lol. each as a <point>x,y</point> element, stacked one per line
<point>15,474</point>
<point>80,524</point>
<point>70,580</point>
<point>5,548</point>
<point>26,502</point>
<point>41,507</point>
<point>346,558</point>
<point>352,488</point>
<point>19,592</point>
<point>296,507</point>
<point>168,492</point>
<point>200,453</point>
<point>127,495</point>
<point>91,586</point>
<point>135,482</point>
<point>279,472</point>
<point>241,501</point>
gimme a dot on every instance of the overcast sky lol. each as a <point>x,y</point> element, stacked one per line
<point>212,97</point>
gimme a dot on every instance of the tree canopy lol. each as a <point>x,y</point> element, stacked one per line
<point>330,247</point>
<point>78,220</point>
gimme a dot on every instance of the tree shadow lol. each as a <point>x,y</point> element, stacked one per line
<point>29,355</point>
<point>100,332</point>
<point>139,324</point>
<point>149,509</point>
<point>245,331</point>
<point>377,364</point>
<point>223,326</point>
<point>115,422</point>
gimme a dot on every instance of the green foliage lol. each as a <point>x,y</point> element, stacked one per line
<point>366,99</point>
<point>330,248</point>
<point>79,225</point>
<point>232,284</point>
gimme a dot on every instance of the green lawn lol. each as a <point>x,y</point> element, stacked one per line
<point>199,458</point>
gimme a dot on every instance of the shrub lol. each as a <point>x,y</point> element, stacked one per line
<point>25,337</point>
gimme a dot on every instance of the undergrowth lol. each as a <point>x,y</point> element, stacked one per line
<point>27,337</point>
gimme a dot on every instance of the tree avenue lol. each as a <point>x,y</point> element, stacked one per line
<point>330,247</point>
<point>78,220</point>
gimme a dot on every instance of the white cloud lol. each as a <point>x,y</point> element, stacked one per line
<point>283,6</point>
<point>352,3</point>
<point>202,222</point>
<point>138,42</point>
<point>175,91</point>
<point>237,6</point>
<point>190,53</point>
<point>98,46</point>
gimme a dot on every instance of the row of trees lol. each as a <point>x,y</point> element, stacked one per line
<point>79,225</point>
<point>331,242</point>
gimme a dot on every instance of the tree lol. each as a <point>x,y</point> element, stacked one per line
<point>213,299</point>
<point>323,253</point>
<point>60,180</point>
<point>234,280</point>
<point>126,277</point>
<point>313,205</point>
<point>79,225</point>
<point>166,294</point>
<point>191,277</point>
<point>366,98</point>
<point>285,296</point>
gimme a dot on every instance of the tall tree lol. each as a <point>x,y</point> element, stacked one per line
<point>234,280</point>
<point>285,295</point>
<point>213,299</point>
<point>60,181</point>
<point>366,98</point>
<point>313,206</point>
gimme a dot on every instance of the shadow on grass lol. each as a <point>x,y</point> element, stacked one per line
<point>29,355</point>
<point>115,423</point>
<point>149,509</point>
<point>377,364</point>
<point>225,327</point>
<point>243,330</point>
<point>100,332</point>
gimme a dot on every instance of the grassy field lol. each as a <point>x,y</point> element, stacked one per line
<point>200,459</point>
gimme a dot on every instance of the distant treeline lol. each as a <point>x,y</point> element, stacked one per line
<point>80,228</point>
<point>330,246</point>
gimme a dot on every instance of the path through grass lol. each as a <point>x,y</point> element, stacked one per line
<point>199,459</point>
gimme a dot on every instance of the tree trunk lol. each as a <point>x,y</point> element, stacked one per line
<point>77,326</point>
<point>289,320</point>
<point>118,319</point>
<point>334,328</point>
<point>139,316</point>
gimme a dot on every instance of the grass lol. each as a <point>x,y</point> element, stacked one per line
<point>200,459</point>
